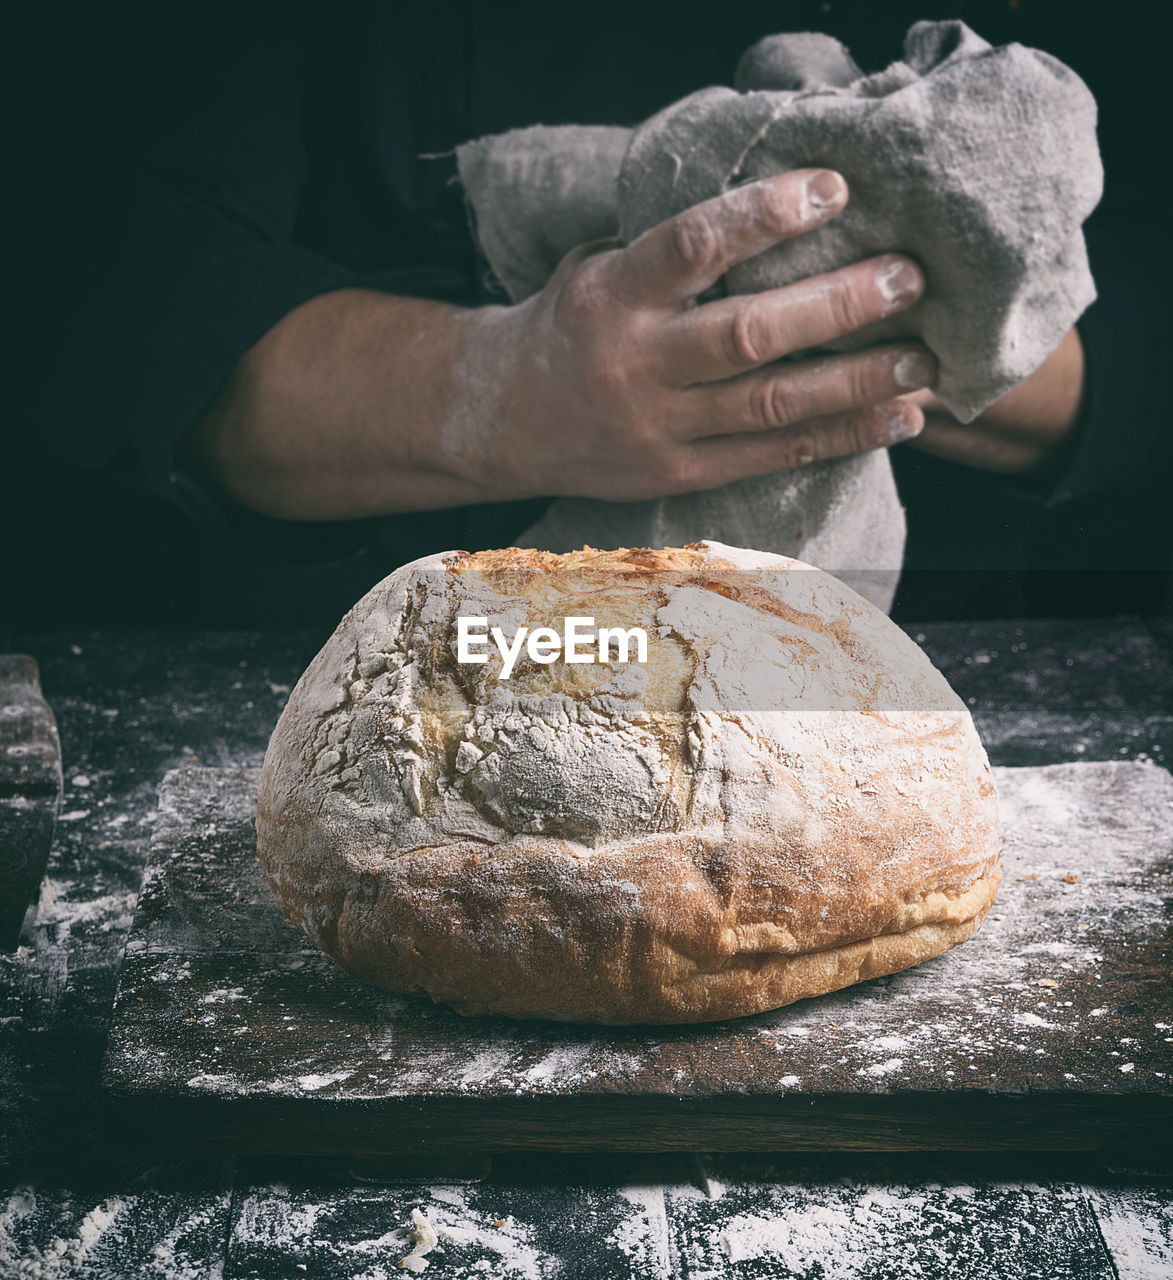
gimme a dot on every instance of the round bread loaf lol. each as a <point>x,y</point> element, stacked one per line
<point>785,798</point>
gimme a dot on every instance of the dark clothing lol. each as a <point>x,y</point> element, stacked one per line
<point>320,158</point>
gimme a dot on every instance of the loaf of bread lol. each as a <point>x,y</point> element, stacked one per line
<point>783,798</point>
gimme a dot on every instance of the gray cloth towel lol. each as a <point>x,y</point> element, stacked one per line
<point>980,163</point>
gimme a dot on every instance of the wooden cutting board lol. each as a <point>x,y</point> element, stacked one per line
<point>1052,1028</point>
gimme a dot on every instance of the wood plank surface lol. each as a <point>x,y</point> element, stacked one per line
<point>30,790</point>
<point>133,705</point>
<point>1052,1028</point>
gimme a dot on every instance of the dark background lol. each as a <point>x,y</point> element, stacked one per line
<point>96,86</point>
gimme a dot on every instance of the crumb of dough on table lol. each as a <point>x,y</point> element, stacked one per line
<point>425,1240</point>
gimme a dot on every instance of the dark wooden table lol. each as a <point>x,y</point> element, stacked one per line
<point>132,706</point>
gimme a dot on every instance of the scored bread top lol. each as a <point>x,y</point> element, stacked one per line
<point>621,560</point>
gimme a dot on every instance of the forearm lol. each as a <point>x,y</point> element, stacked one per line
<point>1027,432</point>
<point>610,383</point>
<point>339,412</point>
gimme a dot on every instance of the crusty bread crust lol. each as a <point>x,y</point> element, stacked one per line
<point>551,849</point>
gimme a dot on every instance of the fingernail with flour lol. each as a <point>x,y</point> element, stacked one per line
<point>898,426</point>
<point>824,190</point>
<point>898,282</point>
<point>913,370</point>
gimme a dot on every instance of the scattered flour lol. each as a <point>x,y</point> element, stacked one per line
<point>311,1082</point>
<point>62,1255</point>
<point>798,1241</point>
<point>820,1223</point>
<point>560,1065</point>
<point>58,909</point>
<point>643,1235</point>
<point>1033,1020</point>
<point>168,1258</point>
<point>1139,1233</point>
<point>878,1069</point>
<point>222,995</point>
<point>1048,801</point>
<point>486,1065</point>
<point>467,1242</point>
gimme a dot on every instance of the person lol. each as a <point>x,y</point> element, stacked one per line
<point>298,347</point>
<point>360,403</point>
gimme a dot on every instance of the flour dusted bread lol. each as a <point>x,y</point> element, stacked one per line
<point>784,799</point>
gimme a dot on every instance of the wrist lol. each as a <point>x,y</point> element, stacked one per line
<point>476,437</point>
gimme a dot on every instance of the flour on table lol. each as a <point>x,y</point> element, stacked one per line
<point>62,1255</point>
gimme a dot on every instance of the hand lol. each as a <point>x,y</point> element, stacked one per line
<point>1027,432</point>
<point>615,382</point>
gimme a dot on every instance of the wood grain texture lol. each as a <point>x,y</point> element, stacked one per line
<point>1052,1028</point>
<point>30,790</point>
<point>132,705</point>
